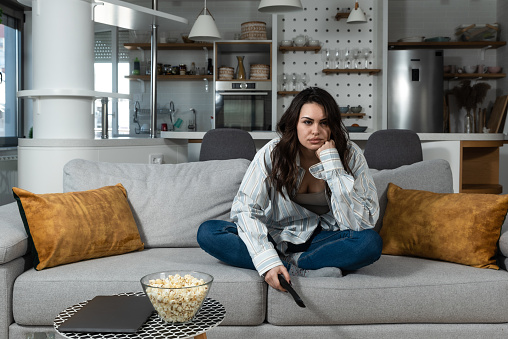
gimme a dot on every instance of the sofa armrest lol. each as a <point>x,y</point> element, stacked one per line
<point>13,242</point>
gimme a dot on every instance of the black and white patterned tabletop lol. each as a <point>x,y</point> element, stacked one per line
<point>210,315</point>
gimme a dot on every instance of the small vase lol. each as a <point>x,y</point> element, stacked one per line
<point>240,70</point>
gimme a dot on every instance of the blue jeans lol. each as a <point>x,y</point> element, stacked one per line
<point>347,250</point>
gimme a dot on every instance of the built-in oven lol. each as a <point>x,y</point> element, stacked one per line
<point>245,105</point>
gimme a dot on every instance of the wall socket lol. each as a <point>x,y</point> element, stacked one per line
<point>155,159</point>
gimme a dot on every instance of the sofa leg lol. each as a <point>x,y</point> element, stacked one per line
<point>200,336</point>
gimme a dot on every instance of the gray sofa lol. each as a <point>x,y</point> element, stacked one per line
<point>396,297</point>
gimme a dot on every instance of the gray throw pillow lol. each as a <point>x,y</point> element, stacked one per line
<point>429,175</point>
<point>168,202</point>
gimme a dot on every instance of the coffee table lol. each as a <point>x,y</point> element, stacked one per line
<point>210,315</point>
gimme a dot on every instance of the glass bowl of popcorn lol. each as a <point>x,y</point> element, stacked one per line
<point>177,296</point>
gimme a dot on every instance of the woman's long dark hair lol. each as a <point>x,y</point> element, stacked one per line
<point>284,169</point>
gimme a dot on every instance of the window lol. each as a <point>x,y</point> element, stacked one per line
<point>111,66</point>
<point>10,75</point>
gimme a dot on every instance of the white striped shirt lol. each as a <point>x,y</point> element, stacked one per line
<point>258,210</point>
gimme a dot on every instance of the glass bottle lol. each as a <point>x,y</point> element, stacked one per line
<point>210,67</point>
<point>468,123</point>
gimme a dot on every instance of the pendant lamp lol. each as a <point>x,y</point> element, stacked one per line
<point>356,16</point>
<point>279,6</point>
<point>204,28</point>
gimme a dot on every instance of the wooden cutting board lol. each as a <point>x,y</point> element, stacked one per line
<point>497,114</point>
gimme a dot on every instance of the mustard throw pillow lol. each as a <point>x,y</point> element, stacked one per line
<point>69,227</point>
<point>456,227</point>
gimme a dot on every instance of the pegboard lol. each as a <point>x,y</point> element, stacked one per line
<point>317,21</point>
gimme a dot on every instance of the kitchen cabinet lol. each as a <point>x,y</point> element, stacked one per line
<point>254,51</point>
<point>479,167</point>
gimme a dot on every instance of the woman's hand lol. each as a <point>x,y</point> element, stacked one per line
<point>328,144</point>
<point>272,279</point>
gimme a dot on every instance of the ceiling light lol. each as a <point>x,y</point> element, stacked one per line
<point>204,28</point>
<point>356,15</point>
<point>279,6</point>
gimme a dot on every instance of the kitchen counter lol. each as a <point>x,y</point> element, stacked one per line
<point>354,136</point>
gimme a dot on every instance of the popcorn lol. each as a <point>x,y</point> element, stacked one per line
<point>177,298</point>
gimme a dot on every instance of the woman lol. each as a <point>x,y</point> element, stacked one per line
<point>307,203</point>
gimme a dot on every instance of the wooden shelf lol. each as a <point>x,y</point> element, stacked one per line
<point>446,45</point>
<point>474,75</point>
<point>339,16</point>
<point>168,46</point>
<point>484,189</point>
<point>169,77</point>
<point>244,80</point>
<point>353,115</point>
<point>284,93</point>
<point>314,49</point>
<point>337,71</point>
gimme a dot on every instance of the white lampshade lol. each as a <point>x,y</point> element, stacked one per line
<point>204,28</point>
<point>356,15</point>
<point>279,6</point>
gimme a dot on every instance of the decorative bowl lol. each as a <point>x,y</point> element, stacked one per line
<point>177,296</point>
<point>356,129</point>
<point>470,68</point>
<point>494,69</point>
<point>286,43</point>
<point>356,109</point>
<point>343,109</point>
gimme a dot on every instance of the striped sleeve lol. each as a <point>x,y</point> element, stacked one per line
<point>354,200</point>
<point>251,213</point>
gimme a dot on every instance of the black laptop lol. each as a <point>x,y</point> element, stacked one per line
<point>110,314</point>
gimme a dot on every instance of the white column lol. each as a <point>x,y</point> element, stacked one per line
<point>63,59</point>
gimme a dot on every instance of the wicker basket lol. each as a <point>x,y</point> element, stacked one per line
<point>254,30</point>
<point>259,72</point>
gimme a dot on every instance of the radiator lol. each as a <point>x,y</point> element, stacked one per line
<point>8,177</point>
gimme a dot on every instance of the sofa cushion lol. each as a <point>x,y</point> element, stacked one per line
<point>68,227</point>
<point>396,290</point>
<point>40,295</point>
<point>13,242</point>
<point>168,201</point>
<point>428,175</point>
<point>457,227</point>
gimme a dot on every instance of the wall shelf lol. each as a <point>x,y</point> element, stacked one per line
<point>314,49</point>
<point>339,16</point>
<point>168,46</point>
<point>284,93</point>
<point>338,71</point>
<point>169,77</point>
<point>478,76</point>
<point>353,115</point>
<point>446,45</point>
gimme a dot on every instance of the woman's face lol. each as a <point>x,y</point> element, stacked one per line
<point>312,127</point>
